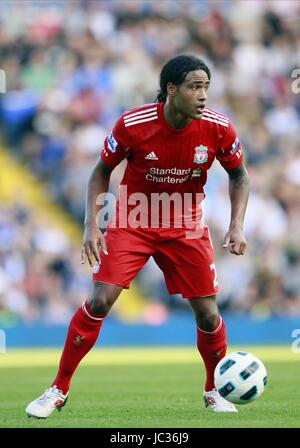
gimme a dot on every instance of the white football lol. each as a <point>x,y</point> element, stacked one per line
<point>240,377</point>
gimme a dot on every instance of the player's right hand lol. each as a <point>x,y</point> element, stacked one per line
<point>92,239</point>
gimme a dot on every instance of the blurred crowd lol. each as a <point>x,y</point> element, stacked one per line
<point>71,69</point>
<point>41,277</point>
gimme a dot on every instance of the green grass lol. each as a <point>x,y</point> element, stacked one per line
<point>144,388</point>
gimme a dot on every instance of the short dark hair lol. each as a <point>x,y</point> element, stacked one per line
<point>175,71</point>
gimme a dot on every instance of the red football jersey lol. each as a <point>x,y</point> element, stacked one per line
<point>162,159</point>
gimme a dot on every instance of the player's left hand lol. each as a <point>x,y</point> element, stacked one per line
<point>235,240</point>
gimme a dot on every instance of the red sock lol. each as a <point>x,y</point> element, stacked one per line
<point>212,347</point>
<point>82,334</point>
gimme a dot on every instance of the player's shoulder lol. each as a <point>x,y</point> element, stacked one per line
<point>140,116</point>
<point>215,119</point>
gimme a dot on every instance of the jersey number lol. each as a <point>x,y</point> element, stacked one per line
<point>213,268</point>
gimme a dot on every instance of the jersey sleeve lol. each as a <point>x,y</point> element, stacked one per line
<point>230,154</point>
<point>116,146</point>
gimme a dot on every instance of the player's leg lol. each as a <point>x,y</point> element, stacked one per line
<point>212,345</point>
<point>211,334</point>
<point>188,267</point>
<point>127,253</point>
<point>84,329</point>
<point>82,334</point>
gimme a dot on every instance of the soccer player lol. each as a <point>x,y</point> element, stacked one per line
<point>169,146</point>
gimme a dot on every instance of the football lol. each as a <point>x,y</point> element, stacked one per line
<point>240,377</point>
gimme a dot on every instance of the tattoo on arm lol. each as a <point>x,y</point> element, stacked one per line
<point>238,177</point>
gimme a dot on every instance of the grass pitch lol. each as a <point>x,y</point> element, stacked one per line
<point>144,388</point>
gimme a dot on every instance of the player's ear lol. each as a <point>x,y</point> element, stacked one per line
<point>171,89</point>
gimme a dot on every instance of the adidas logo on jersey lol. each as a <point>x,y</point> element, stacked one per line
<point>151,156</point>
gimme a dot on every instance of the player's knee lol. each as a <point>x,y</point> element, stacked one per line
<point>102,298</point>
<point>100,305</point>
<point>208,320</point>
<point>206,312</point>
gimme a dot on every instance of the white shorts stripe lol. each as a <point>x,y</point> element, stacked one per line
<point>209,237</point>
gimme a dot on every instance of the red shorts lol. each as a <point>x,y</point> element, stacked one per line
<point>187,264</point>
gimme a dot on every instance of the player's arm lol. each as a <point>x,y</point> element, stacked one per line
<point>238,193</point>
<point>98,184</point>
<point>230,156</point>
<point>114,151</point>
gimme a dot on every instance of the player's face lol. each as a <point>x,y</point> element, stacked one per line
<point>190,97</point>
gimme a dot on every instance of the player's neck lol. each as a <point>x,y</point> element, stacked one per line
<point>174,118</point>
